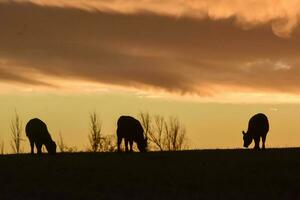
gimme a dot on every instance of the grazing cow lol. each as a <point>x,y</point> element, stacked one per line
<point>258,127</point>
<point>37,133</point>
<point>132,131</point>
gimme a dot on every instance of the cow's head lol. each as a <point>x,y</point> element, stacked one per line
<point>247,139</point>
<point>142,145</point>
<point>51,147</point>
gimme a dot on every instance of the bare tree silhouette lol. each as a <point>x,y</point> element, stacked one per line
<point>175,137</point>
<point>157,136</point>
<point>95,132</point>
<point>164,135</point>
<point>146,121</point>
<point>16,128</point>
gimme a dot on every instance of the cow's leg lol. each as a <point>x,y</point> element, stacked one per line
<point>39,148</point>
<point>263,142</point>
<point>119,143</point>
<point>126,145</point>
<point>130,145</point>
<point>32,146</point>
<point>256,141</point>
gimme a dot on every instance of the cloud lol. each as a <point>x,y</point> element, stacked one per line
<point>8,75</point>
<point>266,63</point>
<point>282,15</point>
<point>133,45</point>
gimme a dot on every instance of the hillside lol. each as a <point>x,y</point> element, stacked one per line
<point>203,174</point>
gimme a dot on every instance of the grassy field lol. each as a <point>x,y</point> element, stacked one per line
<point>203,174</point>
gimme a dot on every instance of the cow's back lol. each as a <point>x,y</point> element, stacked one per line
<point>129,127</point>
<point>259,124</point>
<point>37,130</point>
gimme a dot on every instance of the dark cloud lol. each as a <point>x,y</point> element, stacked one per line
<point>146,50</point>
<point>7,76</point>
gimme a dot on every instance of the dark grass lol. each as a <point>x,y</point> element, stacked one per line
<point>203,174</point>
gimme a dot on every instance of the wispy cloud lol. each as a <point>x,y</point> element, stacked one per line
<point>265,64</point>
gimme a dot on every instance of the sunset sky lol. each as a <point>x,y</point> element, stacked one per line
<point>213,64</point>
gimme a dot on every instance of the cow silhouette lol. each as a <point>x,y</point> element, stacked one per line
<point>38,135</point>
<point>131,130</point>
<point>258,127</point>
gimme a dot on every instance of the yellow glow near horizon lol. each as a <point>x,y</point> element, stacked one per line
<point>208,125</point>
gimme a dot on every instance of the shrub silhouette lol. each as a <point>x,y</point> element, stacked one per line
<point>131,130</point>
<point>95,135</point>
<point>258,127</point>
<point>61,144</point>
<point>38,135</point>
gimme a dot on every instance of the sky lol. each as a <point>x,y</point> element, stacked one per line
<point>213,64</point>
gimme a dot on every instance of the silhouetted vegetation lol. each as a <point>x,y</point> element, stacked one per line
<point>165,135</point>
<point>109,143</point>
<point>63,147</point>
<point>16,128</point>
<point>97,140</point>
<point>175,135</point>
<point>61,144</point>
<point>145,119</point>
<point>71,149</point>
<point>95,134</point>
<point>157,134</point>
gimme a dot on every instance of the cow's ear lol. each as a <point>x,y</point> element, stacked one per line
<point>243,133</point>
